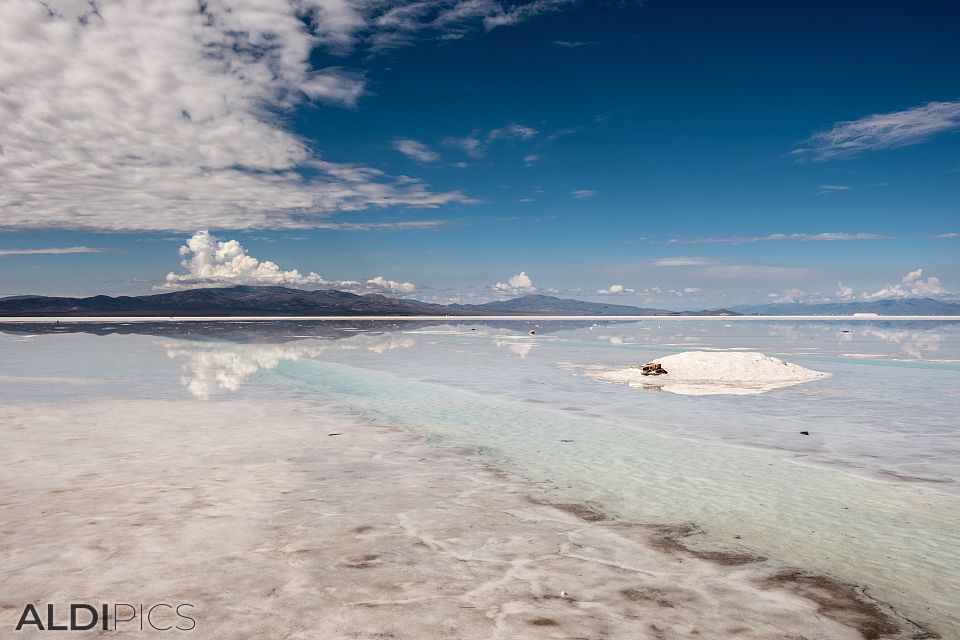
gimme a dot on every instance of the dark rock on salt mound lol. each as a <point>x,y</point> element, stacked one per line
<point>652,369</point>
<point>804,433</point>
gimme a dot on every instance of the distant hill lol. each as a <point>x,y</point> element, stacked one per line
<point>893,307</point>
<point>266,301</point>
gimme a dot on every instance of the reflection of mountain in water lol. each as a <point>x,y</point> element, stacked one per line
<point>209,367</point>
<point>247,331</point>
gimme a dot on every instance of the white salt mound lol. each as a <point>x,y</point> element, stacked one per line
<point>715,372</point>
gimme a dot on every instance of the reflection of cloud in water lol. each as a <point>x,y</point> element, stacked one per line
<point>521,349</point>
<point>213,366</point>
<point>913,343</point>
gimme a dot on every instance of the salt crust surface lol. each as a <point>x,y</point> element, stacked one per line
<point>276,528</point>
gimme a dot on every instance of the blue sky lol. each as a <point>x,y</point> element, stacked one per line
<point>679,154</point>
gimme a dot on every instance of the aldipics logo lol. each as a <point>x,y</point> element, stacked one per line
<point>161,616</point>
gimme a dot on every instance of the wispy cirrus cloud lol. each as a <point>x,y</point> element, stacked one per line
<point>512,131</point>
<point>711,268</point>
<point>571,44</point>
<point>949,235</point>
<point>522,12</point>
<point>402,225</point>
<point>831,188</point>
<point>476,144</point>
<point>880,131</point>
<point>416,150</point>
<point>581,194</point>
<point>50,251</point>
<point>682,261</point>
<point>774,237</point>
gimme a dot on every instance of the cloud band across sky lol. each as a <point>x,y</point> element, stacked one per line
<point>140,115</point>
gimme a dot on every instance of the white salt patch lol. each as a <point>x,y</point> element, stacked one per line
<point>701,373</point>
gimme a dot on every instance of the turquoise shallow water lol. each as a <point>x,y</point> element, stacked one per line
<point>871,495</point>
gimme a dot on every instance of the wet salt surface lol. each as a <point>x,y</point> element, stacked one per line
<point>878,505</point>
<point>267,527</point>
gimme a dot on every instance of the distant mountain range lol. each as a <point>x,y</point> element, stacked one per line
<point>892,307</point>
<point>270,301</point>
<point>281,301</point>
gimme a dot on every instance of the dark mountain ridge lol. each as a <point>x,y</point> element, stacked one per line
<point>266,301</point>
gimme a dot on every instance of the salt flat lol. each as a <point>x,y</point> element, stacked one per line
<point>281,518</point>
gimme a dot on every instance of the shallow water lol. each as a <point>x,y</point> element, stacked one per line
<point>871,495</point>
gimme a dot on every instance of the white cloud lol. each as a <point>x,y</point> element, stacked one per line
<point>212,263</point>
<point>522,12</point>
<point>475,145</point>
<point>518,284</point>
<point>512,131</point>
<point>530,159</point>
<point>843,292</point>
<point>416,150</point>
<point>755,272</point>
<point>880,131</point>
<point>831,188</point>
<point>583,193</point>
<point>795,295</point>
<point>391,286</point>
<point>471,145</point>
<point>684,262</point>
<point>614,290</point>
<point>49,251</point>
<point>146,115</point>
<point>950,235</point>
<point>911,285</point>
<point>571,44</point>
<point>776,237</point>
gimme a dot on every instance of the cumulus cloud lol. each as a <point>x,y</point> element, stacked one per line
<point>390,286</point>
<point>416,150</point>
<point>911,285</point>
<point>49,251</point>
<point>518,284</point>
<point>212,263</point>
<point>614,290</point>
<point>145,115</point>
<point>843,292</point>
<point>580,194</point>
<point>880,131</point>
